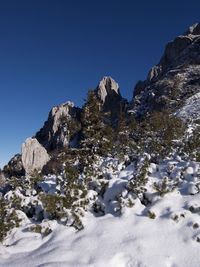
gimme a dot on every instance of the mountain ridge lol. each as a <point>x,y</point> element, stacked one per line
<point>112,174</point>
<point>169,85</point>
<point>161,119</point>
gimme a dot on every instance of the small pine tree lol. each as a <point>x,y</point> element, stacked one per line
<point>97,135</point>
<point>123,141</point>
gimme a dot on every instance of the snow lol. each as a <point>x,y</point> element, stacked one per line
<point>191,109</point>
<point>131,239</point>
<point>49,184</point>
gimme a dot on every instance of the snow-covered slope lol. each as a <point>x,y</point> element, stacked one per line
<point>165,232</point>
<point>191,109</point>
<point>121,187</point>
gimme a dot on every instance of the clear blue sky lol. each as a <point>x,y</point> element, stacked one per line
<point>52,51</point>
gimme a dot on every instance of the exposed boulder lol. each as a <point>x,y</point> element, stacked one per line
<point>34,156</point>
<point>61,128</point>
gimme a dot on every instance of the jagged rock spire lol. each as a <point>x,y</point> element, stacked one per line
<point>108,88</point>
<point>109,93</point>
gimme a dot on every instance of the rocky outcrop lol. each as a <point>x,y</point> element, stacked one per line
<point>194,29</point>
<point>61,128</point>
<point>175,79</point>
<point>14,167</point>
<point>34,156</point>
<point>109,93</point>
<point>108,89</point>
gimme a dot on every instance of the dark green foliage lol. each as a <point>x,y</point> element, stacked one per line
<point>54,205</point>
<point>192,145</point>
<point>97,135</point>
<point>151,214</point>
<point>164,187</point>
<point>122,133</point>
<point>158,133</point>
<point>8,219</point>
<point>69,201</point>
<point>73,125</point>
<point>124,143</point>
<point>137,184</point>
<point>53,166</point>
<point>37,228</point>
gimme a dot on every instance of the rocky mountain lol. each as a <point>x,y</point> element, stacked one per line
<point>174,83</point>
<point>61,127</point>
<point>138,163</point>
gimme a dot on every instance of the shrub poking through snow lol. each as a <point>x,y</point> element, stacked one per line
<point>8,219</point>
<point>37,228</point>
<point>151,214</point>
<point>164,187</point>
<point>195,226</point>
<point>137,184</point>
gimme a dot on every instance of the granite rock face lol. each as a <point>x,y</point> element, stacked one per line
<point>108,89</point>
<point>34,156</point>
<point>60,128</point>
<point>174,80</point>
<point>109,93</point>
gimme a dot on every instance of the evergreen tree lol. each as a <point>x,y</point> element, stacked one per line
<point>97,135</point>
<point>123,142</point>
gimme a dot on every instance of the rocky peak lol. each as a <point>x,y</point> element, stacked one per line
<point>56,132</point>
<point>182,50</point>
<point>108,92</point>
<point>108,88</point>
<point>194,29</point>
<point>58,112</point>
<point>174,79</point>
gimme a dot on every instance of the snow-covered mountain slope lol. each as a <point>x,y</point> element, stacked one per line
<point>119,184</point>
<point>165,232</point>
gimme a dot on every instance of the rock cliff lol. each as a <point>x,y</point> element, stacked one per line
<point>34,156</point>
<point>61,127</point>
<point>175,79</point>
<point>109,93</point>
